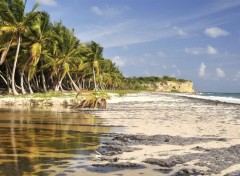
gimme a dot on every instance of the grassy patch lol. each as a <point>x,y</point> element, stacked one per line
<point>43,95</point>
<point>124,92</point>
<point>102,94</point>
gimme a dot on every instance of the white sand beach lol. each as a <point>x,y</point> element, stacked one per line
<point>180,118</point>
<point>167,114</point>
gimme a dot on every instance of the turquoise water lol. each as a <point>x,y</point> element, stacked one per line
<point>223,95</point>
<point>215,96</point>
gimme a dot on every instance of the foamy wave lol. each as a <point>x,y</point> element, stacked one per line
<point>213,98</point>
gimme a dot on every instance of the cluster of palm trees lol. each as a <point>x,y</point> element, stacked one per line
<point>38,55</point>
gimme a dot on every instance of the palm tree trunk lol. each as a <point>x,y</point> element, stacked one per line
<point>22,76</point>
<point>74,84</point>
<point>56,89</point>
<point>30,88</point>
<point>59,85</point>
<point>4,53</point>
<point>8,80</point>
<point>83,83</point>
<point>61,88</point>
<point>22,85</point>
<point>29,85</point>
<point>3,78</point>
<point>89,83</point>
<point>79,84</point>
<point>15,66</point>
<point>36,82</point>
<point>44,82</point>
<point>94,79</point>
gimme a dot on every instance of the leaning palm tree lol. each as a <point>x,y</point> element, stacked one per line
<point>39,34</point>
<point>64,56</point>
<point>94,54</point>
<point>13,24</point>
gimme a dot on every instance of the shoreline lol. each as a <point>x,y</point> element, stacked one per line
<point>168,117</point>
<point>158,129</point>
<point>216,100</point>
<point>65,101</point>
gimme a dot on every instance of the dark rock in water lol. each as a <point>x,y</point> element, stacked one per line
<point>109,159</point>
<point>190,172</point>
<point>216,160</point>
<point>116,147</point>
<point>118,165</point>
<point>160,139</point>
<point>164,171</point>
<point>163,163</point>
<point>235,173</point>
<point>198,148</point>
<point>70,171</point>
<point>166,140</point>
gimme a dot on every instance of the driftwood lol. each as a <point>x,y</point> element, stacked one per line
<point>80,92</point>
<point>93,100</point>
<point>93,103</point>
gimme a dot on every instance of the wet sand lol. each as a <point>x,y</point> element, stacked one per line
<point>214,126</point>
<point>138,134</point>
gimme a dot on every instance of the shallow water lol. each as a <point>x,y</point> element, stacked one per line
<point>42,142</point>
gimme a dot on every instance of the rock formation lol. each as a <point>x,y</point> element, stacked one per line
<point>172,86</point>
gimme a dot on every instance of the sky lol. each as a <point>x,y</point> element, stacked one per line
<point>198,40</point>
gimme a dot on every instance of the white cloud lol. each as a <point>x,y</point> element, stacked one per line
<point>118,61</point>
<point>215,32</point>
<point>180,32</point>
<point>48,2</point>
<point>161,54</point>
<point>202,70</point>
<point>237,76</point>
<point>142,30</point>
<point>96,10</point>
<point>210,50</point>
<point>194,51</point>
<point>108,11</point>
<point>220,73</point>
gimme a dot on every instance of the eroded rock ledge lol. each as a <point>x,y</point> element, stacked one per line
<point>215,160</point>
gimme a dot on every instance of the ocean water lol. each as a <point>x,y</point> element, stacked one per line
<point>216,96</point>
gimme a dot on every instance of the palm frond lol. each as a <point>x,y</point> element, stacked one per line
<point>6,13</point>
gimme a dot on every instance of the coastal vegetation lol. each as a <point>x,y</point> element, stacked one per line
<point>38,55</point>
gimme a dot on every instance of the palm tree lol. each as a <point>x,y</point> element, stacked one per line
<point>48,51</point>
<point>14,24</point>
<point>39,34</point>
<point>65,56</point>
<point>94,55</point>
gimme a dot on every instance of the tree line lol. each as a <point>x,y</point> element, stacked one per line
<point>38,55</point>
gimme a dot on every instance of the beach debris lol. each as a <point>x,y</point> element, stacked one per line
<point>186,171</point>
<point>118,165</point>
<point>97,156</point>
<point>235,173</point>
<point>9,103</point>
<point>92,100</point>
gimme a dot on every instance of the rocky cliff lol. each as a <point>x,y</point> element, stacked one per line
<point>172,86</point>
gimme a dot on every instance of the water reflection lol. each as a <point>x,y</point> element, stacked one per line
<point>42,143</point>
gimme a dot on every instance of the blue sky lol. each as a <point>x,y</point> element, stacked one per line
<point>191,39</point>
